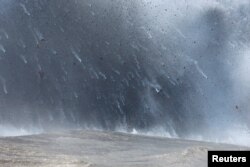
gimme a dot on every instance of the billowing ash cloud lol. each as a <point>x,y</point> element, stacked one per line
<point>178,66</point>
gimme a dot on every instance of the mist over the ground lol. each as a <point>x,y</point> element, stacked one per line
<point>154,66</point>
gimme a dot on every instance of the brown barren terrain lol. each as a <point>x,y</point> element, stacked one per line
<point>96,149</point>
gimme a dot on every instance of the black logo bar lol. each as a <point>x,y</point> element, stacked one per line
<point>228,158</point>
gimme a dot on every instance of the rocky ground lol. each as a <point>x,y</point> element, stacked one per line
<point>103,149</point>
